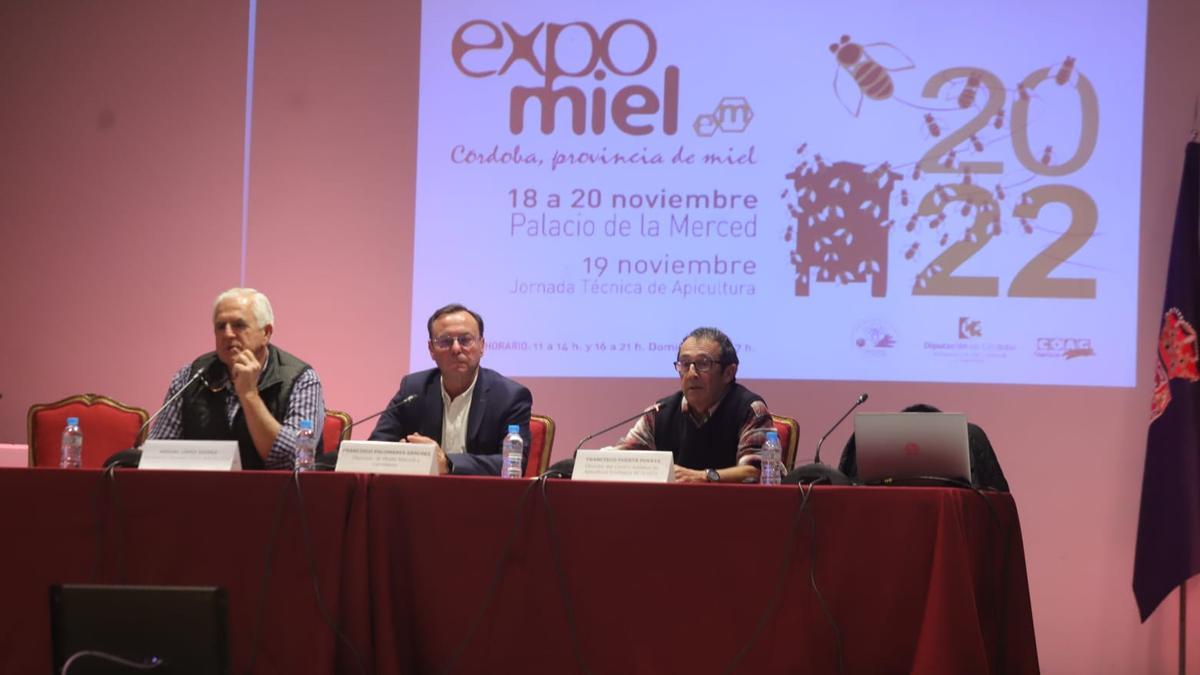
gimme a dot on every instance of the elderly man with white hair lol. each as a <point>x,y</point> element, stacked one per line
<point>250,390</point>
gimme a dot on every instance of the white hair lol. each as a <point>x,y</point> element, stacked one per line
<point>259,304</point>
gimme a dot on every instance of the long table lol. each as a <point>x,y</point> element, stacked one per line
<point>422,574</point>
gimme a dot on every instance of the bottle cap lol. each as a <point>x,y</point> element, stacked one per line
<point>306,425</point>
<point>773,436</point>
<point>72,421</point>
<point>514,429</point>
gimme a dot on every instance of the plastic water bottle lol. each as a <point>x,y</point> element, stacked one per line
<point>306,446</point>
<point>769,462</point>
<point>514,452</point>
<point>72,445</point>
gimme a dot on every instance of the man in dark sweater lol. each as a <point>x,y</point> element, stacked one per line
<point>713,425</point>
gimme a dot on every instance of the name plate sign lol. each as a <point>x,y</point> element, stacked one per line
<point>182,455</point>
<point>631,466</point>
<point>406,459</point>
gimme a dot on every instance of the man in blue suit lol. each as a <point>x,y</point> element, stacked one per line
<point>461,408</point>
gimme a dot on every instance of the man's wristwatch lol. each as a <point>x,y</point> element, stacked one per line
<point>712,476</point>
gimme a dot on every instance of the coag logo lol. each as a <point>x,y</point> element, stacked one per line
<point>1064,347</point>
<point>627,48</point>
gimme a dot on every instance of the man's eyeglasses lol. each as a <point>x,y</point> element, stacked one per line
<point>446,342</point>
<point>702,365</point>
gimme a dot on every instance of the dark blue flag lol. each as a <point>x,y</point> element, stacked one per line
<point>1168,538</point>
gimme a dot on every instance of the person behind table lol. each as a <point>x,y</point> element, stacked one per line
<point>713,425</point>
<point>463,409</point>
<point>251,391</point>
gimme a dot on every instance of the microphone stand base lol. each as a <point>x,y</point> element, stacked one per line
<point>816,473</point>
<point>125,459</point>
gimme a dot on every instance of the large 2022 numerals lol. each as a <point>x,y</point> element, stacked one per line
<point>1033,280</point>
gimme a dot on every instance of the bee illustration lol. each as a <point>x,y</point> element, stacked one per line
<point>1046,155</point>
<point>871,78</point>
<point>999,192</point>
<point>937,221</point>
<point>800,150</point>
<point>916,174</point>
<point>949,163</point>
<point>880,174</point>
<point>904,198</point>
<point>787,236</point>
<point>1064,71</point>
<point>967,97</point>
<point>931,126</point>
<point>820,162</point>
<point>976,143</point>
<point>966,175</point>
<point>1023,92</point>
<point>912,223</point>
<point>999,121</point>
<point>944,239</point>
<point>912,250</point>
<point>1026,226</point>
<point>966,209</point>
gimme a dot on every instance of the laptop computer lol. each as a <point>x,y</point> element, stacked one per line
<point>186,628</point>
<point>905,447</point>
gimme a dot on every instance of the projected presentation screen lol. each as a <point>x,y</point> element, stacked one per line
<point>943,192</point>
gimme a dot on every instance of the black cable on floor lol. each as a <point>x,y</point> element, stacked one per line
<point>812,577</point>
<point>98,567</point>
<point>564,592</point>
<point>494,586</point>
<point>266,577</point>
<point>777,588</point>
<point>118,517</point>
<point>312,571</point>
<point>1001,593</point>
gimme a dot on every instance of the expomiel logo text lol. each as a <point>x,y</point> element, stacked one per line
<point>568,53</point>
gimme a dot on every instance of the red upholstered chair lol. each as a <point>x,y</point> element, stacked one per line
<point>541,442</point>
<point>337,428</point>
<point>108,426</point>
<point>789,436</point>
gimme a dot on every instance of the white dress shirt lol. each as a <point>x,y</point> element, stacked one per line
<point>454,418</point>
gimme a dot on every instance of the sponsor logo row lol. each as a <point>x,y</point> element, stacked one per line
<point>967,337</point>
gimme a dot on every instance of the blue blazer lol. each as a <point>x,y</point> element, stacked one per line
<point>496,403</point>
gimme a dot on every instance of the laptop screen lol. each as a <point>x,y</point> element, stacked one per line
<point>186,628</point>
<point>904,446</point>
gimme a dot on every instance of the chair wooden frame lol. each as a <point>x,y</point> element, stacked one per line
<point>87,400</point>
<point>547,443</point>
<point>789,451</point>
<point>347,422</point>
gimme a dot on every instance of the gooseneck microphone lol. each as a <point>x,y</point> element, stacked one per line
<point>862,398</point>
<point>652,409</point>
<point>328,460</point>
<point>816,471</point>
<point>131,457</point>
<point>563,468</point>
<point>394,406</point>
<point>145,425</point>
